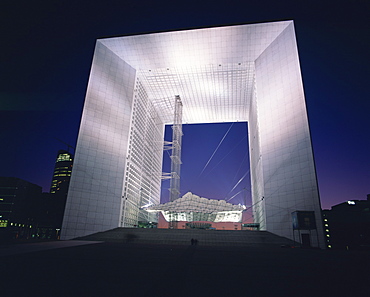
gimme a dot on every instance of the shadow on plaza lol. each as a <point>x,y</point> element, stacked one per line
<point>137,267</point>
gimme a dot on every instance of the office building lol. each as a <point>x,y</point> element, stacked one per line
<point>59,188</point>
<point>19,207</point>
<point>347,225</point>
<point>247,73</point>
<point>62,173</point>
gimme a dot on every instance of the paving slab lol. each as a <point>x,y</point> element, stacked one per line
<point>14,249</point>
<point>131,269</point>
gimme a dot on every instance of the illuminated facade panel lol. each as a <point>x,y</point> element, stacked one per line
<point>223,74</point>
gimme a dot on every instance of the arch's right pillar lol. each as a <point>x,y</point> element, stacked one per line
<point>282,164</point>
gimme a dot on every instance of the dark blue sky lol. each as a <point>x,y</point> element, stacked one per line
<point>212,162</point>
<point>45,56</point>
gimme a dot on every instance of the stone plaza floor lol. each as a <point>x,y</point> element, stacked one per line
<point>93,268</point>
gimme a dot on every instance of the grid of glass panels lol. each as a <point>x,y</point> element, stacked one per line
<point>215,92</point>
<point>144,161</point>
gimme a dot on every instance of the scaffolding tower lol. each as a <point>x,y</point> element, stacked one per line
<point>176,150</point>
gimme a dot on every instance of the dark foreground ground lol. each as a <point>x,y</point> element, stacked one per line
<point>134,269</point>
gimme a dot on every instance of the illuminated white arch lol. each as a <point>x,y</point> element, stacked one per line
<point>222,74</point>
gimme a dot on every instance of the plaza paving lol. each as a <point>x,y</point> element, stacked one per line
<point>122,265</point>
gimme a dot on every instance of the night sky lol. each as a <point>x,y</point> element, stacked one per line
<point>46,51</point>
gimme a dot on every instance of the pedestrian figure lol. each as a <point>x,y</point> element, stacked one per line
<point>192,241</point>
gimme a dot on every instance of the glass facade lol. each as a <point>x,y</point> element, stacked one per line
<point>144,158</point>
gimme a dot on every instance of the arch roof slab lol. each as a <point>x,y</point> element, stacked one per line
<point>211,69</point>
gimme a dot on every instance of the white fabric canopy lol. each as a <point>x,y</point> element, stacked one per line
<point>191,207</point>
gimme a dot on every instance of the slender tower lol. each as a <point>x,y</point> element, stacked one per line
<point>176,150</point>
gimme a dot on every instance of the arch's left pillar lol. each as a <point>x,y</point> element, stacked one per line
<point>94,197</point>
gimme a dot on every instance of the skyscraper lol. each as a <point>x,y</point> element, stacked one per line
<point>222,74</point>
<point>62,173</point>
<point>59,186</point>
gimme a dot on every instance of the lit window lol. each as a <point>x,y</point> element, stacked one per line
<point>3,223</point>
<point>64,157</point>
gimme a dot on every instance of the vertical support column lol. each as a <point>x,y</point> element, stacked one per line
<point>94,195</point>
<point>176,150</point>
<point>288,168</point>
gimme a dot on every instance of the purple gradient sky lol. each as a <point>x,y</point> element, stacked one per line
<point>45,57</point>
